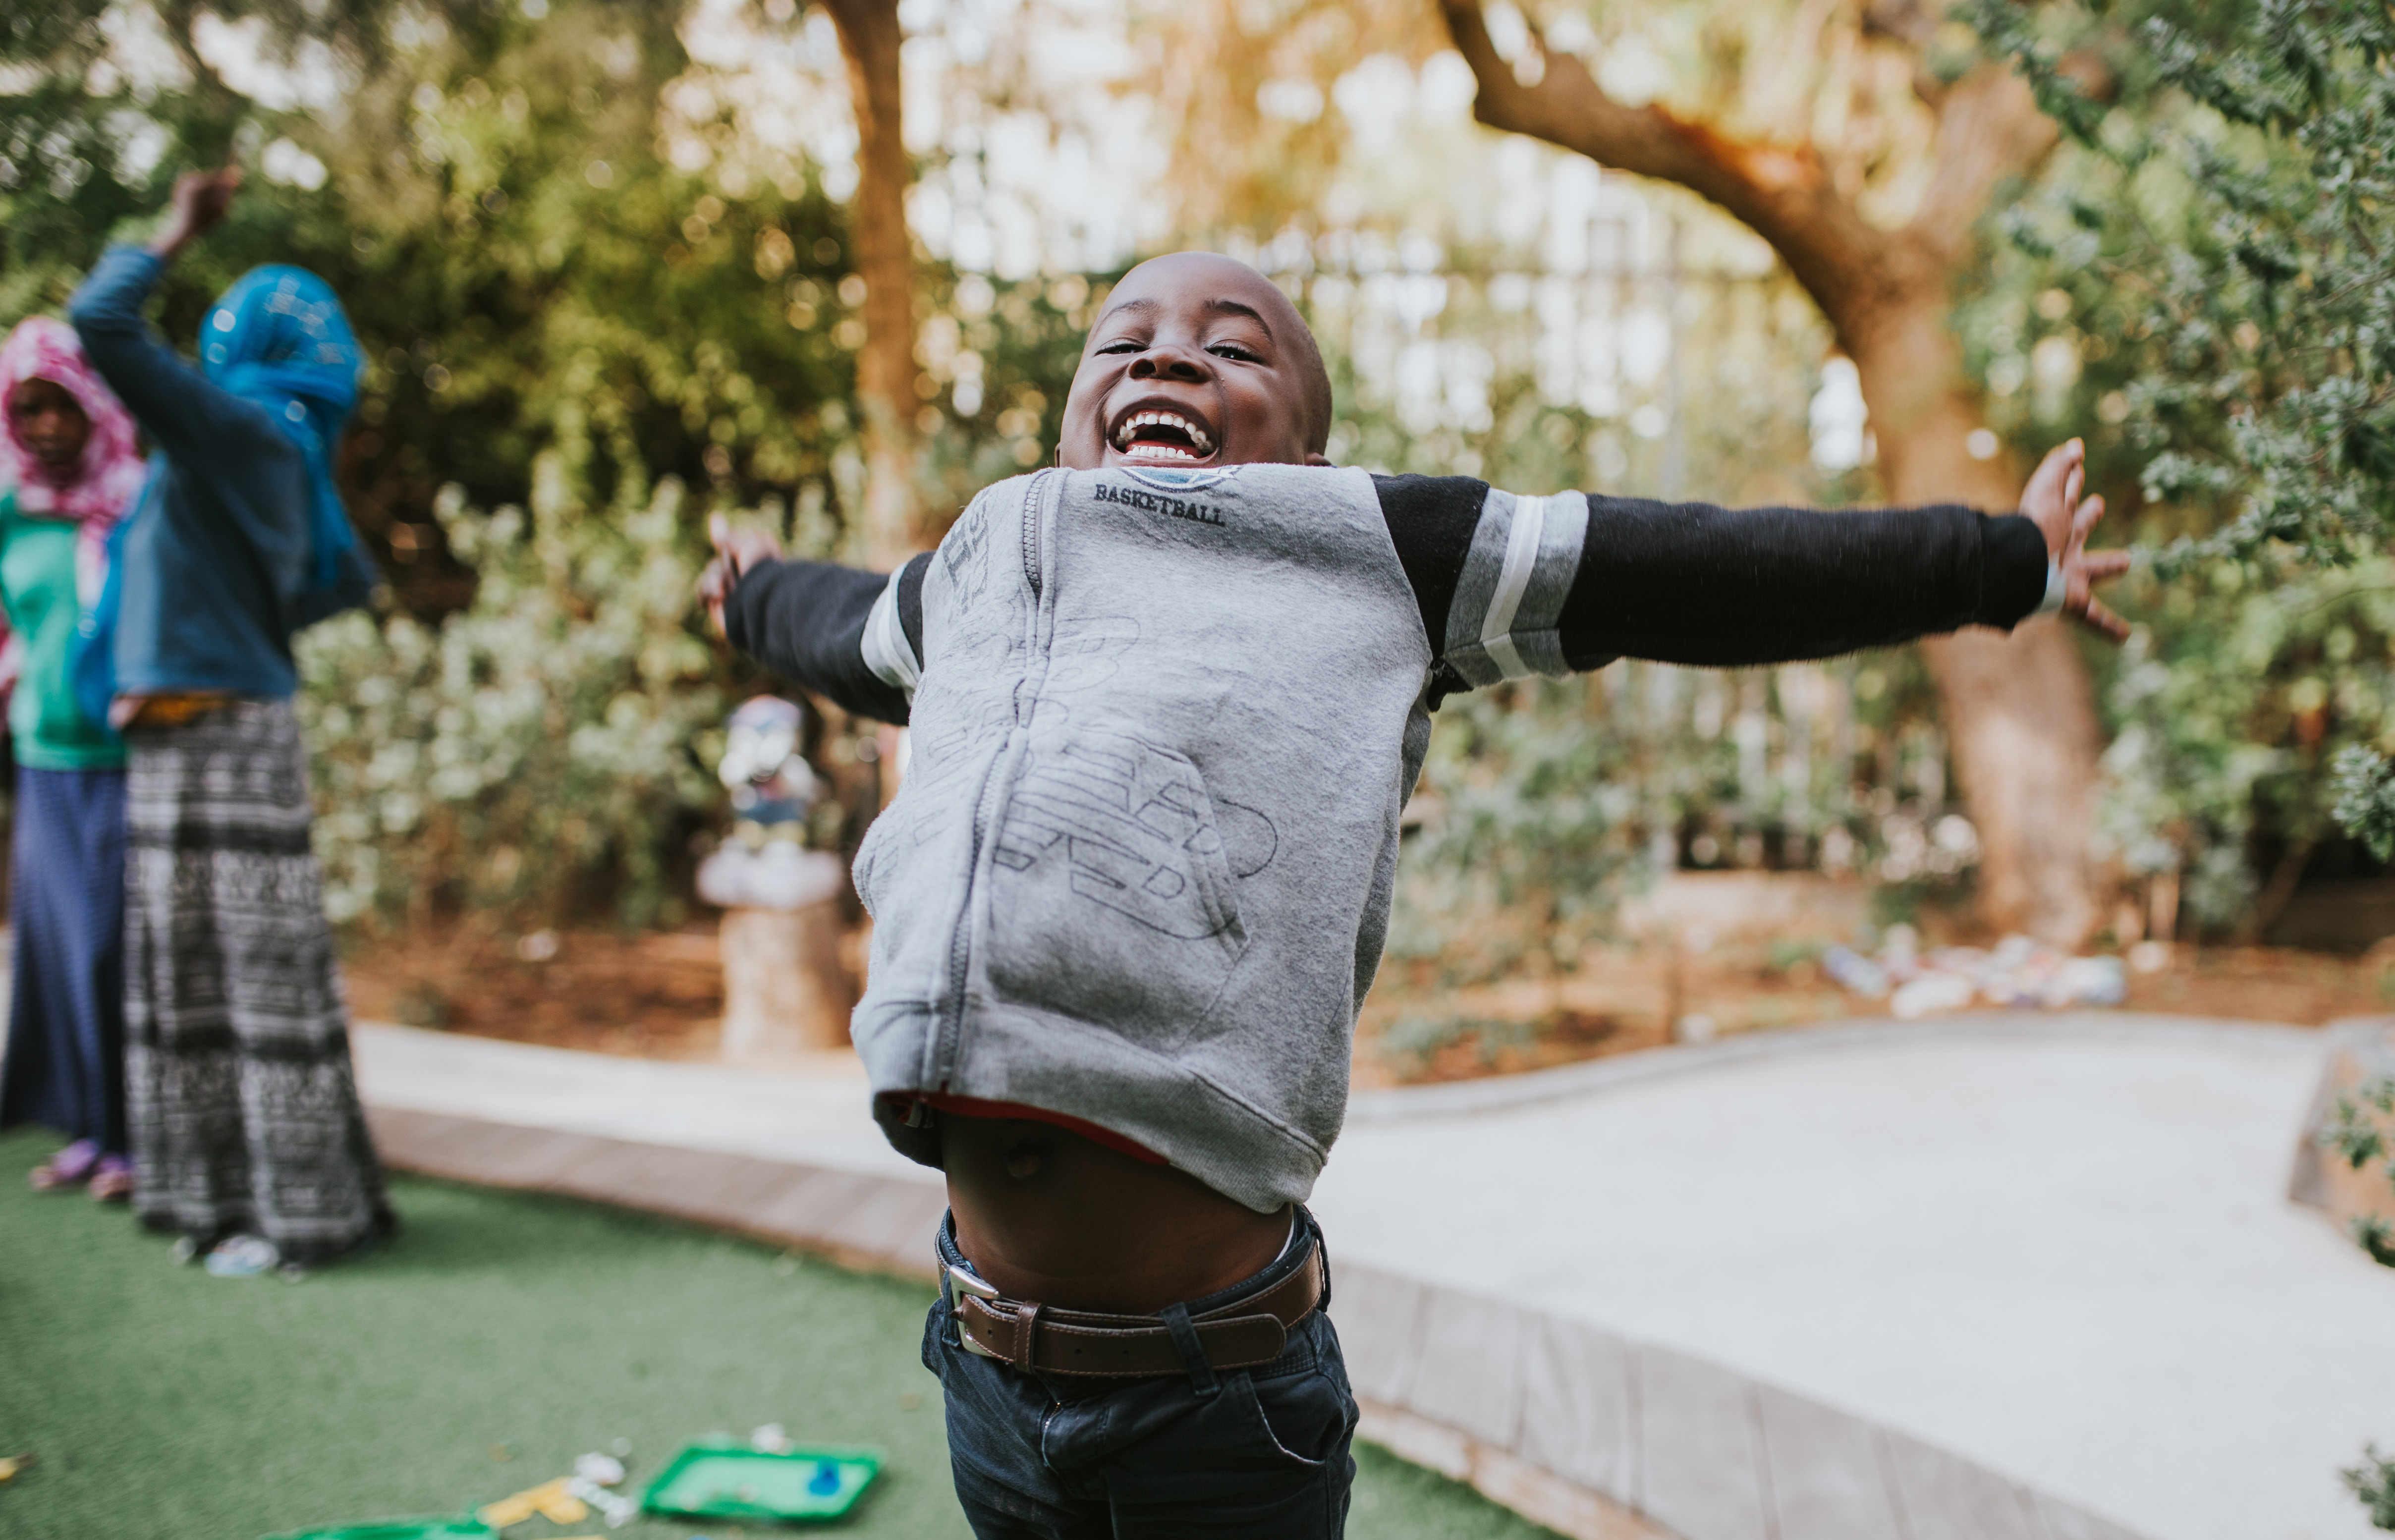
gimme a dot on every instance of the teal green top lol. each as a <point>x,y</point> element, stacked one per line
<point>38,585</point>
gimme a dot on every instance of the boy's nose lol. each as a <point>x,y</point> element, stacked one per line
<point>1169,360</point>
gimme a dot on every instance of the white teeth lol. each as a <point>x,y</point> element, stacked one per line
<point>1171,419</point>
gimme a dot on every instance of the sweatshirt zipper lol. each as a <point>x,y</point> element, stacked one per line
<point>960,943</point>
<point>1031,501</point>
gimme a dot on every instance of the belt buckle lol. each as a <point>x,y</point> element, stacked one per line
<point>962,1282</point>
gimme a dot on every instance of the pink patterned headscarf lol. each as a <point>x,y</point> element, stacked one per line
<point>104,485</point>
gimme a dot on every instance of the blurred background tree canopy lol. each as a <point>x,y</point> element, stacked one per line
<point>605,259</point>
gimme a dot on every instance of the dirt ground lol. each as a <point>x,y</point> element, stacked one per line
<point>1627,1000</point>
<point>661,996</point>
<point>654,995</point>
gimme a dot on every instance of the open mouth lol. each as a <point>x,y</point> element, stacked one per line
<point>1161,436</point>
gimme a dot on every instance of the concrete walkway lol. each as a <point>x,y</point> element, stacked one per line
<point>2058,1246</point>
<point>1991,1278</point>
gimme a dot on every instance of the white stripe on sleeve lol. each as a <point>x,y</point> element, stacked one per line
<point>1513,582</point>
<point>886,646</point>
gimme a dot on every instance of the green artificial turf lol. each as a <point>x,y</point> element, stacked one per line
<point>497,1337</point>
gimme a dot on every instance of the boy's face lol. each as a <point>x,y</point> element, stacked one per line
<point>1197,361</point>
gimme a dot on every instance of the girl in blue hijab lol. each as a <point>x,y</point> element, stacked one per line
<point>247,1140</point>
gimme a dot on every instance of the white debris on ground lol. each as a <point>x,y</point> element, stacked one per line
<point>2020,972</point>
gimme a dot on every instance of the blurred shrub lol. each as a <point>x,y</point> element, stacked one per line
<point>535,750</point>
<point>2230,709</point>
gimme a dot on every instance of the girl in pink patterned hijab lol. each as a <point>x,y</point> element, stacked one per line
<point>69,470</point>
<point>93,488</point>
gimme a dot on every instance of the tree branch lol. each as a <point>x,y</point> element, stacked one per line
<point>1988,129</point>
<point>1783,194</point>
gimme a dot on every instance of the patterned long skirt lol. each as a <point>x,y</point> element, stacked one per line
<point>66,904</point>
<point>243,1112</point>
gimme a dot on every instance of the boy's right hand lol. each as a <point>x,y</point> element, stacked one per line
<point>735,552</point>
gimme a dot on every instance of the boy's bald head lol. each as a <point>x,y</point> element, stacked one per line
<point>1198,359</point>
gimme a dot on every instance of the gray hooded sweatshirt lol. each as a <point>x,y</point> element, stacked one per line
<point>1140,869</point>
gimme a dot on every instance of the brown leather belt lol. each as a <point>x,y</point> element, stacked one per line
<point>1031,1337</point>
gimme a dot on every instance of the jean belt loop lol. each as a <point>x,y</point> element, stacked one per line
<point>1192,1348</point>
<point>1322,1255</point>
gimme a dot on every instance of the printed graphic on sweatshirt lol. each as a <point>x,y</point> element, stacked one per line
<point>1113,885</point>
<point>1087,651</point>
<point>966,551</point>
<point>1130,827</point>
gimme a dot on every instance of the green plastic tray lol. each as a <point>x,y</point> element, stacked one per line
<point>732,1482</point>
<point>447,1528</point>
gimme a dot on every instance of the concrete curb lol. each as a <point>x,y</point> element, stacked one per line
<point>1600,1437</point>
<point>878,1224</point>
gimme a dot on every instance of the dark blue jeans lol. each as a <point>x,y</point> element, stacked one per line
<point>1260,1454</point>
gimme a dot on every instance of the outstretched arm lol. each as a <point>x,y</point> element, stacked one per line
<point>855,637</point>
<point>1516,586</point>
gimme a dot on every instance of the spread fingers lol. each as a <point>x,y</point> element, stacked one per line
<point>2098,618</point>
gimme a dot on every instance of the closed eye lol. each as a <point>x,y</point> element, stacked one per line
<point>1125,346</point>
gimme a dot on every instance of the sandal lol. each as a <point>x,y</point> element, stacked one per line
<point>70,1168</point>
<point>112,1180</point>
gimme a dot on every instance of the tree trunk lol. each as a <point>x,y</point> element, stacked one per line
<point>2018,709</point>
<point>869,40</point>
<point>2019,714</point>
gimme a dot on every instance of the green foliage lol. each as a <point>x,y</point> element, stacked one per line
<point>570,320</point>
<point>2374,1482</point>
<point>2353,1133</point>
<point>2226,223</point>
<point>1412,1041</point>
<point>2365,798</point>
<point>1546,802</point>
<point>528,270</point>
<point>1531,832</point>
<point>2201,284</point>
<point>2230,706</point>
<point>533,749</point>
<point>2356,1134</point>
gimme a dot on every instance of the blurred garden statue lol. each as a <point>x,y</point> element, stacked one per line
<point>1167,702</point>
<point>786,990</point>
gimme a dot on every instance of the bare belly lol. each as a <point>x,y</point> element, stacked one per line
<point>1046,1214</point>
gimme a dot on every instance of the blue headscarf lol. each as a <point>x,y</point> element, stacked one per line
<point>280,337</point>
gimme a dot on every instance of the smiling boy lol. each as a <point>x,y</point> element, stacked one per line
<point>1168,702</point>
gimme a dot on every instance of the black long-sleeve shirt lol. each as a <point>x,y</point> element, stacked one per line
<point>1684,583</point>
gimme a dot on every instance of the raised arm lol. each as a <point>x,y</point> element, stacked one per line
<point>855,637</point>
<point>1517,586</point>
<point>184,414</point>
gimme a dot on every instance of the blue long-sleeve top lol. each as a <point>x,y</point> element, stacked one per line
<point>215,559</point>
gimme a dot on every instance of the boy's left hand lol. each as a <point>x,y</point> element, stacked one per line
<point>2052,502</point>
